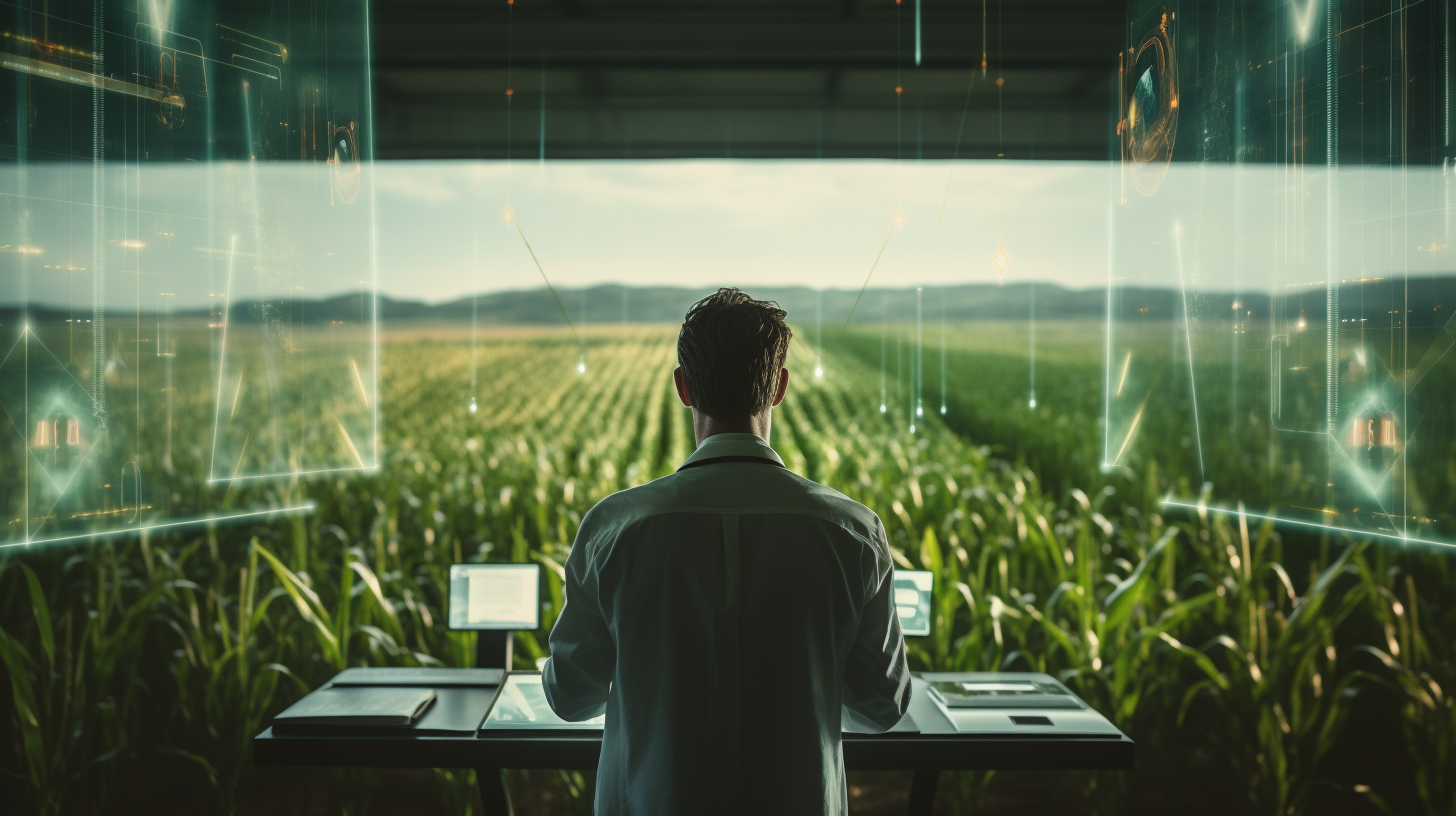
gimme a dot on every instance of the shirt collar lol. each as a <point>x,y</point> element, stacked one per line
<point>733,444</point>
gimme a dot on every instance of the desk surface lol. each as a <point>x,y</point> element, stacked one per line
<point>938,746</point>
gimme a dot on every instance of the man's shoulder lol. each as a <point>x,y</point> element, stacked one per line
<point>833,506</point>
<point>778,491</point>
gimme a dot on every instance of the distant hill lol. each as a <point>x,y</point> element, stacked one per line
<point>614,303</point>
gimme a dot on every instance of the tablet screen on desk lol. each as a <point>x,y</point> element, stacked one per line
<point>495,596</point>
<point>521,706</point>
<point>912,600</point>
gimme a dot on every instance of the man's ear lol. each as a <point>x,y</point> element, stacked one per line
<point>682,387</point>
<point>783,387</point>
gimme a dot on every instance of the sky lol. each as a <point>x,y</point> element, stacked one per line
<point>702,223</point>
<point>433,231</point>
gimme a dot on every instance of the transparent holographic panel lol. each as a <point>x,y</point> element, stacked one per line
<point>174,179</point>
<point>1282,287</point>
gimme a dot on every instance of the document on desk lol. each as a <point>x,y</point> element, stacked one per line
<point>358,706</point>
<point>521,706</point>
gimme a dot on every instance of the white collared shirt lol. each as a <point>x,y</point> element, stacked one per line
<point>725,618</point>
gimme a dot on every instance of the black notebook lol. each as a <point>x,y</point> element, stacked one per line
<point>361,706</point>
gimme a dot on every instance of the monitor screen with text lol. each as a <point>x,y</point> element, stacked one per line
<point>495,596</point>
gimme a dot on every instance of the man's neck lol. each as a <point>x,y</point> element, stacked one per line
<point>705,426</point>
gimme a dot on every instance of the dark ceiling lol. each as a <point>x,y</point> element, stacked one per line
<point>744,78</point>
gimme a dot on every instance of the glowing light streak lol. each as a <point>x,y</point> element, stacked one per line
<point>1332,218</point>
<point>1359,473</point>
<point>237,391</point>
<point>349,442</point>
<point>293,474</point>
<point>1203,507</point>
<point>46,46</point>
<point>1031,324</point>
<point>510,218</point>
<point>871,274</point>
<point>919,354</point>
<point>96,81</point>
<point>117,512</point>
<point>1107,351</point>
<point>302,508</point>
<point>217,407</point>
<point>917,32</point>
<point>956,153</point>
<point>98,222</point>
<point>983,38</point>
<point>474,322</point>
<point>883,355</point>
<point>1188,346</point>
<point>1302,17</point>
<point>942,357</point>
<point>1122,379</point>
<point>1131,429</point>
<point>359,382</point>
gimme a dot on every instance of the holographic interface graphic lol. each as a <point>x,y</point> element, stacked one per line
<point>1304,358</point>
<point>187,277</point>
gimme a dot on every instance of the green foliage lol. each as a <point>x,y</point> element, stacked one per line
<point>1232,662</point>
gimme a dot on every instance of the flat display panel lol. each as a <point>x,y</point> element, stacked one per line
<point>1280,288</point>
<point>495,596</point>
<point>521,705</point>
<point>912,600</point>
<point>187,269</point>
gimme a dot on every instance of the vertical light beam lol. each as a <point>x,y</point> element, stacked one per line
<point>1188,345</point>
<point>942,356</point>
<point>919,373</point>
<point>1332,211</point>
<point>98,224</point>
<point>917,33</point>
<point>883,355</point>
<point>1031,318</point>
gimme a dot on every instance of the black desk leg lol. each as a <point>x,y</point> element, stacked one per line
<point>922,793</point>
<point>494,799</point>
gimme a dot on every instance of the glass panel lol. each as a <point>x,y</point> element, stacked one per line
<point>177,181</point>
<point>1276,303</point>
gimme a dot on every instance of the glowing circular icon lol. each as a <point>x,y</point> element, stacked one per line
<point>1149,101</point>
<point>344,163</point>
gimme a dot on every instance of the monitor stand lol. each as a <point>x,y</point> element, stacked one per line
<point>493,649</point>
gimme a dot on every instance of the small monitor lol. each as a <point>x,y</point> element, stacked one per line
<point>912,600</point>
<point>495,596</point>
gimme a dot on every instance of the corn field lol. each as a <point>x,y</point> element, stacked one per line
<point>1259,671</point>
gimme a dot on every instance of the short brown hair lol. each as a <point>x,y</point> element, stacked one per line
<point>731,349</point>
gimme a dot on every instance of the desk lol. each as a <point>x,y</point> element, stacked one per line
<point>936,748</point>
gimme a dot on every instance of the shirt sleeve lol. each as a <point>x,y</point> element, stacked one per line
<point>583,659</point>
<point>877,675</point>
